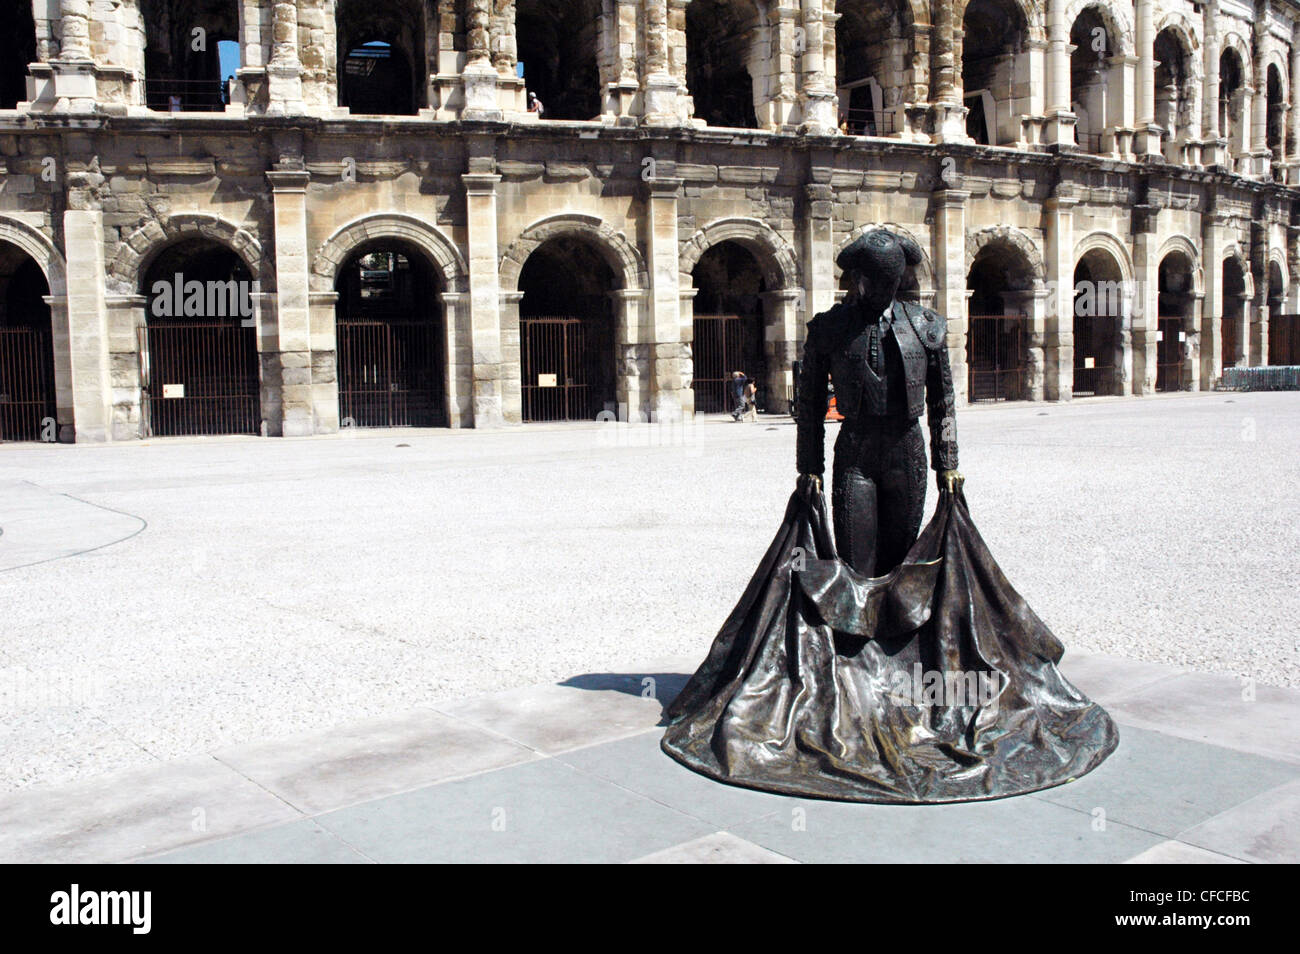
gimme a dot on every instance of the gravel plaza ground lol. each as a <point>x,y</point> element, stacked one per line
<point>339,632</point>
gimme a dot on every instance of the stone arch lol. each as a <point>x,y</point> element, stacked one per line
<point>1234,252</point>
<point>1008,235</point>
<point>37,246</point>
<point>1034,12</point>
<point>620,253</point>
<point>775,256</point>
<point>1277,257</point>
<point>1233,41</point>
<point>1183,245</point>
<point>1115,18</point>
<point>1108,243</point>
<point>1187,34</point>
<point>924,271</point>
<point>336,249</point>
<point>143,245</point>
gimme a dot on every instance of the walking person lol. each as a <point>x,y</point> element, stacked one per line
<point>738,383</point>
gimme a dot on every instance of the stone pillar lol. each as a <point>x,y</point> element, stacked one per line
<point>945,77</point>
<point>1060,120</point>
<point>1145,302</point>
<point>480,75</point>
<point>1293,115</point>
<point>284,72</point>
<point>819,239</point>
<point>1058,341</point>
<point>74,68</point>
<point>950,265</point>
<point>817,93</point>
<point>1214,238</point>
<point>1261,157</point>
<point>670,397</point>
<point>87,328</point>
<point>292,341</point>
<point>781,331</point>
<point>1214,151</point>
<point>323,340</point>
<point>490,409</point>
<point>660,88</point>
<point>620,95</point>
<point>1147,137</point>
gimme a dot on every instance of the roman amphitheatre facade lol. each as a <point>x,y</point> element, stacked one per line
<point>474,213</point>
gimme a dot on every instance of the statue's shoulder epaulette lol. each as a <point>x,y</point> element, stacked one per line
<point>929,325</point>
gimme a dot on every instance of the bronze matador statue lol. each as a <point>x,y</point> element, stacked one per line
<point>886,358</point>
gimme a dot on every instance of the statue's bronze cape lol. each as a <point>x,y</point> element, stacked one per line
<point>935,683</point>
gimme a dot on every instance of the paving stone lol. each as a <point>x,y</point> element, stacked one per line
<point>720,848</point>
<point>1177,853</point>
<point>1264,829</point>
<point>299,843</point>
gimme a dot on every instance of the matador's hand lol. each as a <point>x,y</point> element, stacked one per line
<point>807,482</point>
<point>950,481</point>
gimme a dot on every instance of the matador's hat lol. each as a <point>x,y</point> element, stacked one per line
<point>881,252</point>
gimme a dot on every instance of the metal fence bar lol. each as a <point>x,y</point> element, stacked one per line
<point>1285,378</point>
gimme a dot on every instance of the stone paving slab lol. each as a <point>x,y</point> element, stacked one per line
<point>1178,853</point>
<point>573,772</point>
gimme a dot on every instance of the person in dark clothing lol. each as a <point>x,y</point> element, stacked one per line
<point>739,380</point>
<point>885,359</point>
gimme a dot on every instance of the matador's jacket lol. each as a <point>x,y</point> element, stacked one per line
<point>876,381</point>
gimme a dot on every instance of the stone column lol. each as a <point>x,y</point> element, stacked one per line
<point>949,256</point>
<point>670,397</point>
<point>661,88</point>
<point>819,242</point>
<point>479,75</point>
<point>323,340</point>
<point>292,341</point>
<point>1293,114</point>
<point>621,94</point>
<point>1060,120</point>
<point>1147,137</point>
<point>781,333</point>
<point>945,76</point>
<point>817,93</point>
<point>1261,157</point>
<point>284,72</point>
<point>87,328</point>
<point>485,303</point>
<point>1145,301</point>
<point>1058,342</point>
<point>74,68</point>
<point>1215,149</point>
<point>1214,237</point>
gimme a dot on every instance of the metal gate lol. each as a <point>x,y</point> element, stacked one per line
<point>1169,355</point>
<point>1284,339</point>
<point>27,405</point>
<point>555,375</point>
<point>1094,354</point>
<point>723,344</point>
<point>1230,327</point>
<point>390,373</point>
<point>200,377</point>
<point>995,358</point>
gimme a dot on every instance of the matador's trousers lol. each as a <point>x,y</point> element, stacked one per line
<point>878,492</point>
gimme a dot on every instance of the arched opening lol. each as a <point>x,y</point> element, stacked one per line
<point>199,343</point>
<point>1283,338</point>
<point>1174,320</point>
<point>728,326</point>
<point>557,42</point>
<point>566,332</point>
<point>1175,90</point>
<point>382,56</point>
<point>994,71</point>
<point>872,65</point>
<point>1276,116</point>
<point>727,61</point>
<point>1089,78</point>
<point>1283,328</point>
<point>1234,310</point>
<point>182,57</point>
<point>391,339</point>
<point>27,396</point>
<point>1099,305</point>
<point>1000,288</point>
<point>1232,98</point>
<point>17,49</point>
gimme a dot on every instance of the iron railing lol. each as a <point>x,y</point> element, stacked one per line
<point>723,344</point>
<point>1285,378</point>
<point>995,358</point>
<point>202,379</point>
<point>390,373</point>
<point>166,94</point>
<point>870,122</point>
<point>554,371</point>
<point>27,400</point>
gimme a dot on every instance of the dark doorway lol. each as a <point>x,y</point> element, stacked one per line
<point>17,49</point>
<point>995,345</point>
<point>719,37</point>
<point>1098,310</point>
<point>557,55</point>
<point>728,325</point>
<point>382,56</point>
<point>182,60</point>
<point>199,343</point>
<point>994,35</point>
<point>566,333</point>
<point>392,368</point>
<point>1234,308</point>
<point>27,397</point>
<point>1173,320</point>
<point>1283,329</point>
